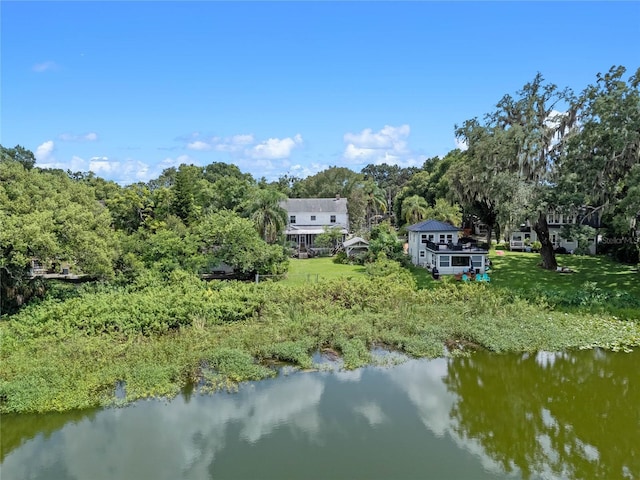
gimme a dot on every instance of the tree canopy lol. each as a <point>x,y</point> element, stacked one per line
<point>541,149</point>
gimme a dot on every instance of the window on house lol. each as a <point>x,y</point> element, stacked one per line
<point>292,219</point>
<point>313,218</point>
<point>423,238</point>
<point>444,261</point>
<point>441,238</point>
<point>459,261</point>
<point>333,219</point>
<point>477,261</point>
<point>422,253</point>
<point>431,238</point>
<point>449,238</point>
<point>554,217</point>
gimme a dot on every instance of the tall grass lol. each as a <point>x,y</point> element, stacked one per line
<point>157,336</point>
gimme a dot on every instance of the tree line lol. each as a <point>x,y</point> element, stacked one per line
<point>542,149</point>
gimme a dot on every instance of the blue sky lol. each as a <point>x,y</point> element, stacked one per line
<point>126,89</point>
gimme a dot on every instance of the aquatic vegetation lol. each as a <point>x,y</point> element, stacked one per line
<point>157,336</point>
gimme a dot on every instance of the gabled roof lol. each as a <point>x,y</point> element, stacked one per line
<point>315,205</point>
<point>354,241</point>
<point>433,226</point>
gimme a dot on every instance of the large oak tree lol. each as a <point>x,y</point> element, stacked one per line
<point>523,138</point>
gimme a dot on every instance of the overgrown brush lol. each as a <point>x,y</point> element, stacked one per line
<point>160,334</point>
<point>588,298</point>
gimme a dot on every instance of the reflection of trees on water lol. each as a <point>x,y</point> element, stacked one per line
<point>574,415</point>
<point>571,415</point>
<point>17,429</point>
<point>180,439</point>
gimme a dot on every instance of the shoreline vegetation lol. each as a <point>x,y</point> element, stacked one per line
<point>161,333</point>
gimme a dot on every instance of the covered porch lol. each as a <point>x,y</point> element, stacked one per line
<point>455,259</point>
<point>303,237</point>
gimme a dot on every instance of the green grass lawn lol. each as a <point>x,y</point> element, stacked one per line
<point>596,285</point>
<point>315,269</point>
<point>513,270</point>
<point>516,270</point>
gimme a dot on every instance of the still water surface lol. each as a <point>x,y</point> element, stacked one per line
<point>545,415</point>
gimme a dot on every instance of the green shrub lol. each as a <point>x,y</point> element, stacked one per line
<point>166,331</point>
<point>341,258</point>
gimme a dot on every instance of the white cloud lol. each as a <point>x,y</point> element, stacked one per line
<point>44,151</point>
<point>174,162</point>
<point>76,164</point>
<point>242,139</point>
<point>132,171</point>
<point>245,145</point>
<point>555,118</point>
<point>85,137</point>
<point>233,144</point>
<point>44,66</point>
<point>355,153</point>
<point>388,145</point>
<point>387,138</point>
<point>102,165</point>
<point>303,171</point>
<point>199,145</point>
<point>275,148</point>
<point>461,144</point>
<point>123,171</point>
<point>263,158</point>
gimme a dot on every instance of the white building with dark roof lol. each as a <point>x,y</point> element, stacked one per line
<point>434,244</point>
<point>355,246</point>
<point>525,236</point>
<point>308,217</point>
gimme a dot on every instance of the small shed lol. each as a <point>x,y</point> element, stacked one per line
<point>355,245</point>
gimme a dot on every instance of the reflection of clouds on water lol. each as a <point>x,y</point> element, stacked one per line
<point>547,359</point>
<point>348,375</point>
<point>423,385</point>
<point>175,440</point>
<point>372,412</point>
<point>528,432</point>
<point>292,403</point>
<point>422,381</point>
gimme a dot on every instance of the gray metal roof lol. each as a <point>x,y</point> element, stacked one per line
<point>354,241</point>
<point>433,226</point>
<point>315,205</point>
<point>312,229</point>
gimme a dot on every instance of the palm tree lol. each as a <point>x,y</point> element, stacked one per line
<point>414,209</point>
<point>443,211</point>
<point>269,217</point>
<point>376,201</point>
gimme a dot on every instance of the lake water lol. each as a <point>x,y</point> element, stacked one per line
<point>545,415</point>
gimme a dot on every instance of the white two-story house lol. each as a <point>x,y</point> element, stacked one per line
<point>308,217</point>
<point>434,244</point>
<point>526,235</point>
